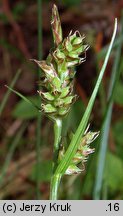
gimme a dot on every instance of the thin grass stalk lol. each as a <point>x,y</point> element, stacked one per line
<point>11,152</point>
<point>55,178</point>
<point>38,131</point>
<point>6,96</point>
<point>24,98</point>
<point>106,125</point>
<point>55,181</point>
<point>57,138</point>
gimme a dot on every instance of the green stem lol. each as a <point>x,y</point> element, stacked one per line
<point>56,178</point>
<point>57,138</point>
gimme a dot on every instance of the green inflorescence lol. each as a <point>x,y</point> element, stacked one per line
<point>58,70</point>
<point>82,153</point>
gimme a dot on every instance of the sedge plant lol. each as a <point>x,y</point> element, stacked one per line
<point>56,89</point>
<point>57,84</point>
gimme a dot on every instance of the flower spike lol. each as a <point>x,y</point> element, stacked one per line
<point>58,70</point>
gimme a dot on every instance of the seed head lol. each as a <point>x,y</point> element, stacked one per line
<point>56,84</point>
<point>82,153</point>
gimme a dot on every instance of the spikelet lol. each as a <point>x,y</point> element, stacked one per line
<point>58,70</point>
<point>82,153</point>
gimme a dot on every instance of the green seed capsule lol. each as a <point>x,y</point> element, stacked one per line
<point>73,169</point>
<point>68,45</point>
<point>56,83</point>
<point>63,111</point>
<point>48,108</point>
<point>77,40</point>
<point>65,92</point>
<point>47,96</point>
<point>60,54</point>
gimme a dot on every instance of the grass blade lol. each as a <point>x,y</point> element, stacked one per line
<point>4,101</point>
<point>23,97</point>
<point>106,124</point>
<point>81,128</point>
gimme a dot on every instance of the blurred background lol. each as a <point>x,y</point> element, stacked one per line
<point>25,33</point>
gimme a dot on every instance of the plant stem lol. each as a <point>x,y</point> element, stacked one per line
<point>57,138</point>
<point>56,178</point>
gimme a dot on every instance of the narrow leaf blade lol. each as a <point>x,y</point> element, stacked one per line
<point>4,101</point>
<point>23,97</point>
